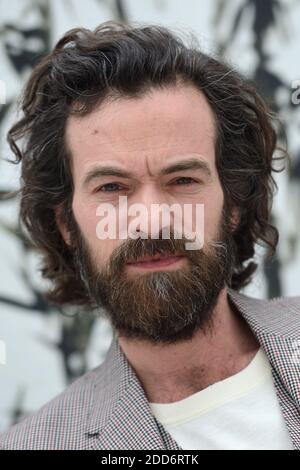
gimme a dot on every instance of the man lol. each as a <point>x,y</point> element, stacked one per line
<point>132,112</point>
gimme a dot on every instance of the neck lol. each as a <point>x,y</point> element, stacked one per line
<point>170,373</point>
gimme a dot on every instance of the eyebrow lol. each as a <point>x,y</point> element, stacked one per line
<point>186,164</point>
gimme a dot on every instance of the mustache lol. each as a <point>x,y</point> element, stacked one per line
<point>133,249</point>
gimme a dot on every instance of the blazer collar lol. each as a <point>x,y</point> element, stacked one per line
<point>120,416</point>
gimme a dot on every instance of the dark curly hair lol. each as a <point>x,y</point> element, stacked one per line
<point>120,60</point>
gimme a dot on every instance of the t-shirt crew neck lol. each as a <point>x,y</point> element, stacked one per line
<point>239,412</point>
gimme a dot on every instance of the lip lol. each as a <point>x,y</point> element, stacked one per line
<point>156,261</point>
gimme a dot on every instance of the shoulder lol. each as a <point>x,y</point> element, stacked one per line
<point>279,315</point>
<point>285,312</point>
<point>59,424</point>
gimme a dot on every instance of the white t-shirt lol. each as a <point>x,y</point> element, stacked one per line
<point>239,412</point>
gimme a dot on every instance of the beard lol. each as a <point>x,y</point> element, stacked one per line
<point>158,306</point>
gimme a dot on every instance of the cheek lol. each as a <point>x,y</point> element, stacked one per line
<point>87,220</point>
<point>213,206</point>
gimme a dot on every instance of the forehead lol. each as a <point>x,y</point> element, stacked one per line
<point>140,132</point>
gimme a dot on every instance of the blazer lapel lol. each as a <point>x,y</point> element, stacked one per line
<point>121,417</point>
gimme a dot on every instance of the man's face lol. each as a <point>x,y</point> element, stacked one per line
<point>165,300</point>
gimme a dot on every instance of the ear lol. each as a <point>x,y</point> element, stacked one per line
<point>62,226</point>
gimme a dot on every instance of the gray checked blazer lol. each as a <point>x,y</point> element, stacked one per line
<point>107,408</point>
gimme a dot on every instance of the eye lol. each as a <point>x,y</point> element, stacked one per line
<point>184,180</point>
<point>109,188</point>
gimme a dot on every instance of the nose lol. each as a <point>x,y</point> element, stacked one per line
<point>147,213</point>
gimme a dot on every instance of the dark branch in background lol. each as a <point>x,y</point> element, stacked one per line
<point>120,11</point>
<point>17,412</point>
